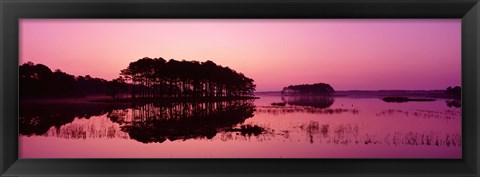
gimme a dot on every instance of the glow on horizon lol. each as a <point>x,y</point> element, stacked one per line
<point>373,54</point>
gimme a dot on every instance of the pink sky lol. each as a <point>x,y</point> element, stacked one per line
<point>348,54</point>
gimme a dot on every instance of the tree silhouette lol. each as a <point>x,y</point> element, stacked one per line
<point>319,89</point>
<point>153,122</point>
<point>155,77</point>
<point>144,78</point>
<point>38,81</point>
<point>117,87</point>
<point>455,92</point>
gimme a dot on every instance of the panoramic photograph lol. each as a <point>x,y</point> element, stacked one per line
<point>240,88</point>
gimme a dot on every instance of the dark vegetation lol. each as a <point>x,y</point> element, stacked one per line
<point>169,100</point>
<point>157,78</point>
<point>454,103</point>
<point>317,95</point>
<point>454,92</point>
<point>248,130</point>
<point>181,121</point>
<point>346,134</point>
<point>144,122</point>
<point>145,78</point>
<point>278,104</point>
<point>37,119</point>
<point>38,81</point>
<point>319,89</point>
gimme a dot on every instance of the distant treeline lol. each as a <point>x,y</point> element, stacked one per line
<point>320,89</point>
<point>39,81</point>
<point>144,78</point>
<point>155,77</point>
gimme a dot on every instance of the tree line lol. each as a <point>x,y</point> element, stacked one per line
<point>157,78</point>
<point>39,81</point>
<point>320,89</point>
<point>144,78</point>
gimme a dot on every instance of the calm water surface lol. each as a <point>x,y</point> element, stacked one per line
<point>306,127</point>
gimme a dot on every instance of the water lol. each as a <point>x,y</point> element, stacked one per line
<point>305,127</point>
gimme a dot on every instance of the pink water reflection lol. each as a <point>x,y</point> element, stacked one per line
<point>349,128</point>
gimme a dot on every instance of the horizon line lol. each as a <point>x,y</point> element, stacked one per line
<point>373,90</point>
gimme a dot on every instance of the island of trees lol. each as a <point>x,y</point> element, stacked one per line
<point>146,78</point>
<point>318,89</point>
<point>454,92</point>
<point>157,78</point>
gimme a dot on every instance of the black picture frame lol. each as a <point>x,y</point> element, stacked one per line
<point>13,10</point>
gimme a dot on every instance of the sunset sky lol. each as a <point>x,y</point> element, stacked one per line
<point>348,54</point>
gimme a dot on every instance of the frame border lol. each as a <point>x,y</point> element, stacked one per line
<point>13,10</point>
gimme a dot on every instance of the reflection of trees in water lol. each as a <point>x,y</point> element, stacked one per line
<point>146,122</point>
<point>454,103</point>
<point>154,122</point>
<point>276,110</point>
<point>351,134</point>
<point>425,114</point>
<point>150,123</point>
<point>312,101</point>
<point>37,119</point>
<point>248,130</point>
